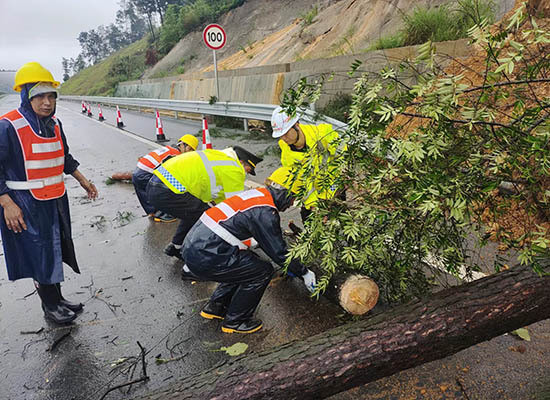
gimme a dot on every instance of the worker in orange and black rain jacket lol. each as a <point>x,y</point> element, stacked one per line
<point>147,164</point>
<point>217,249</point>
<point>34,215</point>
<point>184,186</point>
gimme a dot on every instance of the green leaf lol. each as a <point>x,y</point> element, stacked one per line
<point>236,349</point>
<point>522,333</point>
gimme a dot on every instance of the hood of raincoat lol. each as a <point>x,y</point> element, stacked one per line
<point>281,198</point>
<point>37,124</point>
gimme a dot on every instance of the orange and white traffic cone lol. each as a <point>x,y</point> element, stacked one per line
<point>160,131</point>
<point>206,142</point>
<point>100,113</point>
<point>89,110</point>
<point>119,123</point>
<point>84,108</point>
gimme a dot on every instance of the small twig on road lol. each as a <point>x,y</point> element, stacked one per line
<point>27,295</point>
<point>112,307</point>
<point>167,360</point>
<point>144,365</point>
<point>29,344</point>
<point>171,349</point>
<point>126,277</point>
<point>143,378</point>
<point>32,332</point>
<point>90,285</point>
<point>59,340</point>
<point>113,340</point>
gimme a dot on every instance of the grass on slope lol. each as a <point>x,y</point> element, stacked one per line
<point>102,78</point>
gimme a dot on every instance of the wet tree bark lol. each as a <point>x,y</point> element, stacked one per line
<point>364,351</point>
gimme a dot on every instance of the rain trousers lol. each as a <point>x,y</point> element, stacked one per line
<point>242,275</point>
<point>38,252</point>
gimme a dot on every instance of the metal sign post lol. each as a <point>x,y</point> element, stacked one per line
<point>214,36</point>
<point>216,75</point>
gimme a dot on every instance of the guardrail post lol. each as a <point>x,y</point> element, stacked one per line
<point>245,122</point>
<point>175,114</point>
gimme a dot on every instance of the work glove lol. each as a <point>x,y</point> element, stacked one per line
<point>309,280</point>
<point>295,268</point>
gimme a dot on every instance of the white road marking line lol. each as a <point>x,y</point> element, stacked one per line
<point>248,183</point>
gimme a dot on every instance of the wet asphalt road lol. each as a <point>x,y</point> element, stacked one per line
<point>133,293</point>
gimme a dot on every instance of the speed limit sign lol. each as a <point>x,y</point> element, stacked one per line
<point>214,36</point>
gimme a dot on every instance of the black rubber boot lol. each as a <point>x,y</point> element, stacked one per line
<point>172,251</point>
<point>188,275</point>
<point>51,304</point>
<point>214,310</point>
<point>74,307</point>
<point>249,326</point>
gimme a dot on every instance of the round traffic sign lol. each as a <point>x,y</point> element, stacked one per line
<point>214,36</point>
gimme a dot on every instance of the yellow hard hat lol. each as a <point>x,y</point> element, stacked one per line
<point>190,140</point>
<point>32,72</point>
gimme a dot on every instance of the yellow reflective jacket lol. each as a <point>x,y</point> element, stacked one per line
<point>209,175</point>
<point>316,135</point>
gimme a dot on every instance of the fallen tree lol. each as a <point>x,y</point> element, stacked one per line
<point>361,352</point>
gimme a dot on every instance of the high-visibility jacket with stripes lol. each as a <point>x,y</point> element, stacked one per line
<point>44,159</point>
<point>209,175</point>
<point>153,159</point>
<point>227,209</point>
<point>316,135</point>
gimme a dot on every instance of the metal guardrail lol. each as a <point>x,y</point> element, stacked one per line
<point>261,112</point>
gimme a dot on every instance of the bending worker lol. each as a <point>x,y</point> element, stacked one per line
<point>34,216</point>
<point>216,249</point>
<point>183,185</point>
<point>147,164</point>
<point>296,140</point>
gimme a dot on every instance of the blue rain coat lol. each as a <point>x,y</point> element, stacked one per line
<point>38,252</point>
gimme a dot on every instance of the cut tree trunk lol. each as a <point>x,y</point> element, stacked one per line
<point>355,293</point>
<point>364,351</point>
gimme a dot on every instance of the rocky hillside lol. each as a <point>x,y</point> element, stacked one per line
<point>262,32</point>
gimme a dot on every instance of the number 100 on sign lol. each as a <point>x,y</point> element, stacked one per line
<point>214,36</point>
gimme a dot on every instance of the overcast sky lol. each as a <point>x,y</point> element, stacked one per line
<point>47,30</point>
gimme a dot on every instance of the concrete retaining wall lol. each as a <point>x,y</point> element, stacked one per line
<point>266,84</point>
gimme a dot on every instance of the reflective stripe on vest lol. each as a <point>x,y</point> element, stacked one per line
<point>44,159</point>
<point>153,159</point>
<point>209,166</point>
<point>170,178</point>
<point>212,217</point>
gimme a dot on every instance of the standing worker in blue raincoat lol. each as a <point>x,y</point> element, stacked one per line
<point>34,209</point>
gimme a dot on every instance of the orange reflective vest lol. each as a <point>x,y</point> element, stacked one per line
<point>152,160</point>
<point>241,202</point>
<point>44,159</point>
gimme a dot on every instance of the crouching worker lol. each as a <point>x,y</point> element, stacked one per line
<point>216,249</point>
<point>184,185</point>
<point>146,166</point>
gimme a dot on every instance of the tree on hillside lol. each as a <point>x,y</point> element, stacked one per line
<point>93,44</point>
<point>78,64</point>
<point>461,156</point>
<point>130,22</point>
<point>148,8</point>
<point>66,64</point>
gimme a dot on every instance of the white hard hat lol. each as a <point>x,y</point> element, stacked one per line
<point>281,122</point>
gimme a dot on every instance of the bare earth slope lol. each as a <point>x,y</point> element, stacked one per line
<point>263,32</point>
